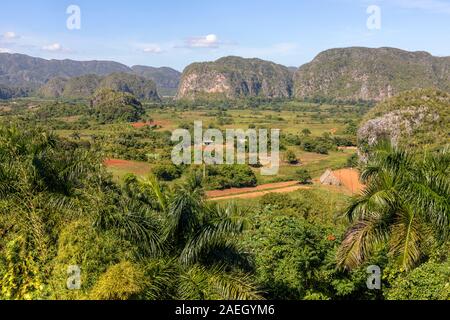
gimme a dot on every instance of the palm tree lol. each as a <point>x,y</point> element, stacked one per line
<point>404,207</point>
<point>44,183</point>
<point>187,246</point>
<point>200,248</point>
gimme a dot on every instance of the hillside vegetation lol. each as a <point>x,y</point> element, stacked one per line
<point>353,74</point>
<point>25,74</point>
<point>416,119</point>
<point>26,71</point>
<point>85,86</point>
<point>235,77</point>
<point>113,106</point>
<point>166,79</point>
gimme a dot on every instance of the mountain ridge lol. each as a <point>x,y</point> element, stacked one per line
<point>370,74</point>
<point>235,77</point>
<point>342,74</point>
<point>85,86</point>
<point>24,71</point>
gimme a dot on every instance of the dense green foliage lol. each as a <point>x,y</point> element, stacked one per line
<point>141,237</point>
<point>112,106</point>
<point>230,176</point>
<point>369,74</point>
<point>84,87</point>
<point>167,172</point>
<point>146,240</point>
<point>294,240</point>
<point>430,281</point>
<point>59,208</point>
<point>404,208</point>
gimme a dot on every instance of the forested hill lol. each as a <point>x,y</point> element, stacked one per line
<point>370,74</point>
<point>22,70</point>
<point>235,77</point>
<point>85,86</point>
<point>167,79</point>
<point>21,73</point>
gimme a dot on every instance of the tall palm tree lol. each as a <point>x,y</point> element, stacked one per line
<point>199,240</point>
<point>405,207</point>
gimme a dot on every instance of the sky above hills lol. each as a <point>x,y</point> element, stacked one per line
<point>177,32</point>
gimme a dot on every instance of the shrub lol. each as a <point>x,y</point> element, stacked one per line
<point>306,132</point>
<point>353,161</point>
<point>122,281</point>
<point>321,149</point>
<point>289,253</point>
<point>167,172</point>
<point>291,158</point>
<point>230,176</point>
<point>303,176</point>
<point>430,281</point>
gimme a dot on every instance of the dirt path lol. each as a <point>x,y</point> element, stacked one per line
<point>234,191</point>
<point>132,166</point>
<point>256,192</point>
<point>348,177</point>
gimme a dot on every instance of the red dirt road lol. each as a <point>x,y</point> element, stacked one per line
<point>257,194</point>
<point>234,191</point>
<point>133,166</point>
<point>348,177</point>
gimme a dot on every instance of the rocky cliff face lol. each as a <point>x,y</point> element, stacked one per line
<point>370,74</point>
<point>415,119</point>
<point>235,77</point>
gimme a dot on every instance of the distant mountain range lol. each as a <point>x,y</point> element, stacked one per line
<point>25,72</point>
<point>347,74</point>
<point>166,79</point>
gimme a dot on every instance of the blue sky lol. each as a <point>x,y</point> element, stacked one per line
<point>177,32</point>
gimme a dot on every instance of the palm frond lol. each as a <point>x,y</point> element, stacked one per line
<point>152,183</point>
<point>212,284</point>
<point>360,241</point>
<point>406,239</point>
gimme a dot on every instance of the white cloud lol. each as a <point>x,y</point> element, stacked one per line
<point>209,41</point>
<point>152,48</point>
<point>54,47</point>
<point>5,50</point>
<point>10,35</point>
